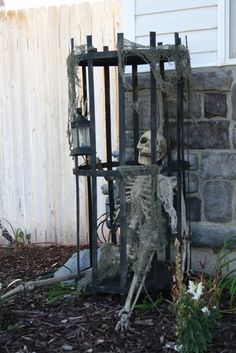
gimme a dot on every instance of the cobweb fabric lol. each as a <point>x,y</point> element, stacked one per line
<point>177,54</point>
<point>150,55</point>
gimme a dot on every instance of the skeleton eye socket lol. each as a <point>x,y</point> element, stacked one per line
<point>144,140</point>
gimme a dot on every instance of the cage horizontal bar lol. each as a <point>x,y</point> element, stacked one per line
<point>97,173</point>
<point>120,172</point>
<point>110,58</point>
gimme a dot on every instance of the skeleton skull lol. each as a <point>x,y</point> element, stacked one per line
<point>144,147</point>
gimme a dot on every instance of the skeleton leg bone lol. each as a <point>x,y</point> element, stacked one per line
<point>123,323</point>
<point>139,277</point>
<point>142,281</point>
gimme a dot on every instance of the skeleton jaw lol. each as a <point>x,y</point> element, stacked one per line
<point>144,159</point>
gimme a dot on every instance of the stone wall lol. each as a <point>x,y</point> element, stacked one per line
<point>212,153</point>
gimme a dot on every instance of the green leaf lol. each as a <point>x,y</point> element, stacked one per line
<point>233,290</point>
<point>197,324</point>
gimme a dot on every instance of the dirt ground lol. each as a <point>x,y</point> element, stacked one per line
<point>78,324</point>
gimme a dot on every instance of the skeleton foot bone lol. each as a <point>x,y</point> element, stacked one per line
<point>124,323</point>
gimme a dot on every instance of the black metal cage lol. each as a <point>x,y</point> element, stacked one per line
<point>108,169</point>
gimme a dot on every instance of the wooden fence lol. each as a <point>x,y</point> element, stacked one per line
<point>37,186</point>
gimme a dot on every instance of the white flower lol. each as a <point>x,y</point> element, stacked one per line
<point>205,310</point>
<point>195,289</point>
<point>178,348</point>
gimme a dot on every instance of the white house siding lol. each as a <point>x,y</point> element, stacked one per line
<point>37,186</point>
<point>196,19</point>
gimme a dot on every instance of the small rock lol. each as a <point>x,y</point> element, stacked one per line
<point>51,340</point>
<point>43,344</point>
<point>99,341</point>
<point>170,345</point>
<point>162,339</point>
<point>64,321</point>
<point>67,347</point>
<point>90,350</point>
<point>75,318</point>
<point>147,322</point>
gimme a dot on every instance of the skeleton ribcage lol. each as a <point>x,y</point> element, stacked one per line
<point>145,195</point>
<point>143,199</point>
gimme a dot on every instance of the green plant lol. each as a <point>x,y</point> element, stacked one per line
<point>148,305</point>
<point>58,291</point>
<point>225,270</point>
<point>195,320</point>
<point>19,235</point>
<point>195,310</point>
<point>16,327</point>
<point>197,306</point>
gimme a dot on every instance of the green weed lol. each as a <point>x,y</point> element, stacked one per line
<point>225,270</point>
<point>19,235</point>
<point>148,305</point>
<point>58,291</point>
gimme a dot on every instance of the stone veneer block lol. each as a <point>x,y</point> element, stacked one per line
<point>201,80</point>
<point>233,100</point>
<point>211,80</point>
<point>192,183</point>
<point>128,111</point>
<point>217,196</point>
<point>193,208</point>
<point>215,105</point>
<point>129,154</point>
<point>195,110</point>
<point>234,136</point>
<point>205,134</point>
<point>210,235</point>
<point>191,157</point>
<point>129,138</point>
<point>143,109</point>
<point>143,81</point>
<point>218,165</point>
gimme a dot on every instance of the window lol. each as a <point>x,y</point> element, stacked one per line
<point>227,32</point>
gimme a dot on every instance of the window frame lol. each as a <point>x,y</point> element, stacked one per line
<point>224,34</point>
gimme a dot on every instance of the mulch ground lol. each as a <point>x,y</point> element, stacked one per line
<point>78,324</point>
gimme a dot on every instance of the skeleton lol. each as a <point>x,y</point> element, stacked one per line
<point>144,233</point>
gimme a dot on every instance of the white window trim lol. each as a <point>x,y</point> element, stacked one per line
<point>223,34</point>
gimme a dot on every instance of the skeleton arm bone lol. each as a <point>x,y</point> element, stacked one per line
<point>168,184</point>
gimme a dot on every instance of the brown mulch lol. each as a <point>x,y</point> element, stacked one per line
<point>79,324</point>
